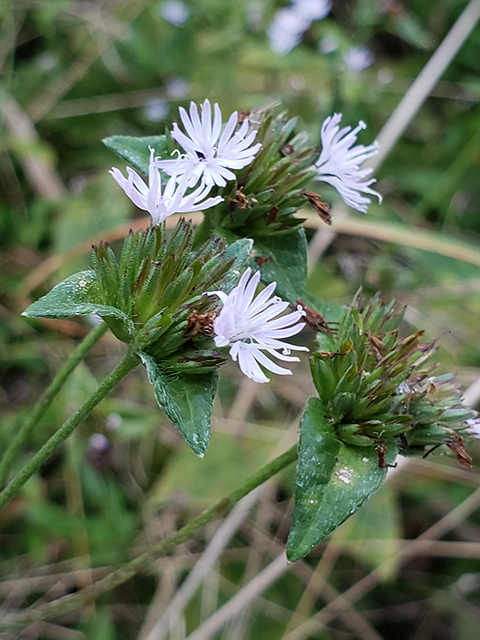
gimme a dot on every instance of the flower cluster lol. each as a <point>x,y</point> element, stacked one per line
<point>209,156</point>
<point>250,325</point>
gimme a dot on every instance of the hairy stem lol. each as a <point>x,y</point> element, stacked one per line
<point>40,407</point>
<point>128,363</point>
<point>144,561</point>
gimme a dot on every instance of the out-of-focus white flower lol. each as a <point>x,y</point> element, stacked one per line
<point>290,23</point>
<point>250,326</point>
<point>163,203</point>
<point>473,428</point>
<point>312,9</point>
<point>175,12</point>
<point>328,44</point>
<point>286,30</point>
<point>358,58</point>
<point>156,110</point>
<point>210,155</point>
<point>339,163</point>
<point>99,442</point>
<point>177,88</point>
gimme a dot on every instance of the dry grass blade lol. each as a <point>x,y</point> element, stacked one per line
<point>371,580</point>
<point>425,81</point>
<point>38,167</point>
<point>409,237</point>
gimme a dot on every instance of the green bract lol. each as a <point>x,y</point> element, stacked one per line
<point>146,297</point>
<point>376,385</point>
<point>378,396</point>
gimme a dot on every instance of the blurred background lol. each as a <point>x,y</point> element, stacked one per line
<point>73,73</point>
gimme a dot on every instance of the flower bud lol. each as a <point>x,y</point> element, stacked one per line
<point>376,386</point>
<point>155,285</point>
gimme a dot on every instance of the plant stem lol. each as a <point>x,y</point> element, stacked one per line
<point>128,363</point>
<point>144,561</point>
<point>40,407</point>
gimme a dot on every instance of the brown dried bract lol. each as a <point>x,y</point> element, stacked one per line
<point>320,207</point>
<point>378,347</point>
<point>200,323</point>
<point>380,450</point>
<point>458,449</point>
<point>287,149</point>
<point>314,318</point>
<point>272,215</point>
<point>261,260</point>
<point>243,115</point>
<point>241,199</point>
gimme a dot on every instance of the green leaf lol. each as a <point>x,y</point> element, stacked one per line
<point>286,264</point>
<point>186,399</point>
<point>136,150</point>
<point>240,250</point>
<point>333,480</point>
<point>77,295</point>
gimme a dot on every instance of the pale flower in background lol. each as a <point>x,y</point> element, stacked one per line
<point>312,9</point>
<point>156,110</point>
<point>290,23</point>
<point>339,163</point>
<point>209,154</point>
<point>159,203</point>
<point>175,12</point>
<point>249,325</point>
<point>358,58</point>
<point>286,30</point>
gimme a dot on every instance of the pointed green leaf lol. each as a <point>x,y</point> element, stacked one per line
<point>317,449</point>
<point>186,399</point>
<point>240,250</point>
<point>286,262</point>
<point>77,295</point>
<point>333,480</point>
<point>136,150</point>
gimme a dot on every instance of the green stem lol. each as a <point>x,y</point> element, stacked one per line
<point>128,363</point>
<point>144,561</point>
<point>39,409</point>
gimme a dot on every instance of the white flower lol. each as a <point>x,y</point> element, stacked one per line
<point>339,162</point>
<point>161,204</point>
<point>250,326</point>
<point>473,428</point>
<point>358,58</point>
<point>312,9</point>
<point>290,23</point>
<point>208,155</point>
<point>286,30</point>
<point>175,12</point>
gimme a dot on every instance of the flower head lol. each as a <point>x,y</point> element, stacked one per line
<point>339,163</point>
<point>162,204</point>
<point>209,154</point>
<point>249,325</point>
